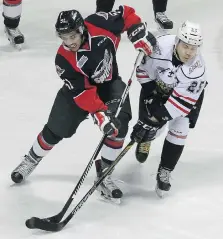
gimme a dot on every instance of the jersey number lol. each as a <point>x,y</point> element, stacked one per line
<point>196,87</point>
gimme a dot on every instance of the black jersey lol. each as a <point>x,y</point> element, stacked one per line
<point>95,62</point>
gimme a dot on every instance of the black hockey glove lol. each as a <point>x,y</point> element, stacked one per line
<point>149,122</point>
<point>107,122</point>
<point>143,131</point>
<point>141,39</point>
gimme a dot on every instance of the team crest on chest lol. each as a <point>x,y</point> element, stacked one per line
<point>103,71</point>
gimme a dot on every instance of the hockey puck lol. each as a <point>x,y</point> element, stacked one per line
<point>30,223</point>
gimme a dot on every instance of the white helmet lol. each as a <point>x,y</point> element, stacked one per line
<point>190,33</point>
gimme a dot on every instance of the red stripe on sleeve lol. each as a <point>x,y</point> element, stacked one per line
<point>130,17</point>
<point>12,2</point>
<point>97,31</point>
<point>89,101</point>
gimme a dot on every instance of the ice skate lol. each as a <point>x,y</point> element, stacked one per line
<point>163,21</point>
<point>142,151</point>
<point>108,189</point>
<point>15,37</point>
<point>24,169</point>
<point>163,182</point>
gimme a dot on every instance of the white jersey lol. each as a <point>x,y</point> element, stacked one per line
<point>185,82</point>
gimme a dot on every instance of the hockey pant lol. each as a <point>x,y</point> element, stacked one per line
<point>104,5</point>
<point>159,6</point>
<point>65,118</point>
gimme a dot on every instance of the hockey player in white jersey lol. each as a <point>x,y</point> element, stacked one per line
<point>173,79</point>
<point>12,10</point>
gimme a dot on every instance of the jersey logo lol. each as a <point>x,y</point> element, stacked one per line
<point>82,61</point>
<point>197,64</point>
<point>59,71</point>
<point>103,71</point>
<point>157,50</point>
<point>102,14</point>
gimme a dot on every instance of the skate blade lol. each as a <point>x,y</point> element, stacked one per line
<point>161,30</point>
<point>18,46</point>
<point>160,193</point>
<point>106,198</point>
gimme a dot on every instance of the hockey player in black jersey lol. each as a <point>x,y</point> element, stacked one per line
<point>159,9</point>
<point>86,62</point>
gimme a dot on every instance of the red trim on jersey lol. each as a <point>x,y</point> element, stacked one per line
<point>141,76</point>
<point>100,117</point>
<point>86,46</point>
<point>177,136</point>
<point>185,97</point>
<point>177,106</point>
<point>12,2</point>
<point>130,17</point>
<point>89,101</point>
<point>140,70</point>
<point>114,144</point>
<point>97,31</point>
<point>42,143</point>
<point>70,56</point>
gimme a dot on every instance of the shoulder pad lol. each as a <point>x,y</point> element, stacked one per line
<point>163,49</point>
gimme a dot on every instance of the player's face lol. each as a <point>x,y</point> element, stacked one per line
<point>186,51</point>
<point>72,40</point>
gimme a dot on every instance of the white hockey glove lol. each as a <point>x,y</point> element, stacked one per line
<point>141,39</point>
<point>107,122</point>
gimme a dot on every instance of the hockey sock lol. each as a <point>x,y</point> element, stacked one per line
<point>170,155</point>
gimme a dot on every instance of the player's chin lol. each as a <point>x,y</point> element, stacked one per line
<point>185,60</point>
<point>74,48</point>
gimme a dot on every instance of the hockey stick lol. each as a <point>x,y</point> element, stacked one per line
<point>58,217</point>
<point>47,225</point>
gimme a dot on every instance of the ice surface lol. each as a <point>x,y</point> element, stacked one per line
<point>194,207</point>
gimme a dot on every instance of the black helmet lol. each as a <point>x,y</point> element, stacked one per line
<point>69,21</point>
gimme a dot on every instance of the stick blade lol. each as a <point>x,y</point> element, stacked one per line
<point>43,224</point>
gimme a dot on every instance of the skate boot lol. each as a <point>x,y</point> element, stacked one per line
<point>24,169</point>
<point>15,37</point>
<point>163,181</point>
<point>163,21</point>
<point>142,151</point>
<point>108,189</point>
